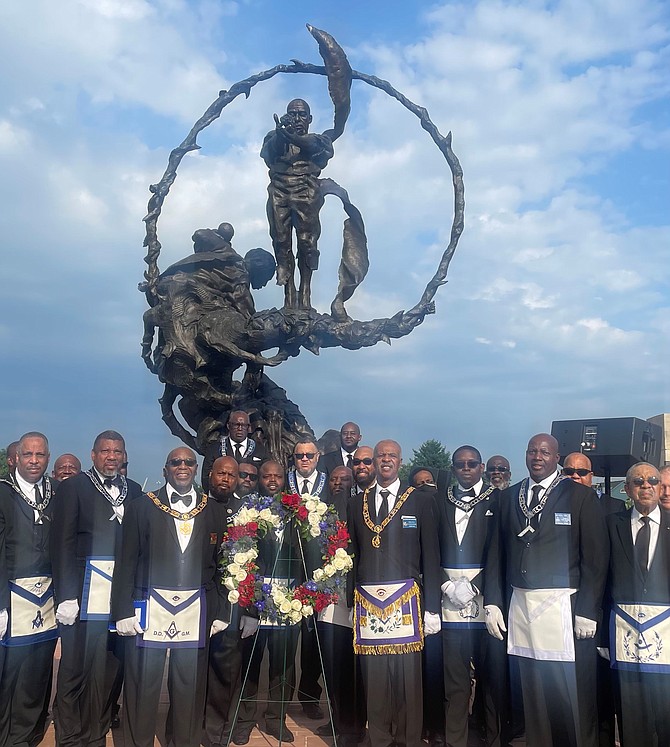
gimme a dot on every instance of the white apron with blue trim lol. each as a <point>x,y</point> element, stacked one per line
<point>32,613</point>
<point>95,601</point>
<point>640,637</point>
<point>175,619</point>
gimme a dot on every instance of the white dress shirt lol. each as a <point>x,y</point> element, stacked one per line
<point>114,493</point>
<point>179,505</point>
<point>461,517</point>
<point>393,490</point>
<point>654,526</point>
<point>28,490</point>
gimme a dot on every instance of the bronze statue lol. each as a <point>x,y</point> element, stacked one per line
<point>202,325</point>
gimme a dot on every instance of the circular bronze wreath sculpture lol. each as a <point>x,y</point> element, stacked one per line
<point>202,308</point>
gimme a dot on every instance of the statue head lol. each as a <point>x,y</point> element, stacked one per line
<point>261,267</point>
<point>298,116</point>
<point>209,240</point>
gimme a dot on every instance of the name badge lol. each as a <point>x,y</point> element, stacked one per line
<point>563,520</point>
<point>409,522</point>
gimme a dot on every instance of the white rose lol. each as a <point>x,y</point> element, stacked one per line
<point>233,596</point>
<point>295,616</point>
<point>319,574</point>
<point>307,610</point>
<point>341,552</point>
<point>252,553</point>
<point>240,558</point>
<point>311,504</point>
<point>348,563</point>
<point>240,575</point>
<point>278,596</point>
<point>296,604</point>
<point>266,515</point>
<point>315,531</point>
<point>233,568</point>
<point>321,508</point>
<point>339,563</point>
<point>285,607</point>
<point>329,570</point>
<point>314,518</point>
<point>229,583</point>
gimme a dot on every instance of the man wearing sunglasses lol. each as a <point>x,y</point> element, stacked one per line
<point>86,538</point>
<point>639,587</point>
<point>237,443</point>
<point>550,552</point>
<point>577,467</point>
<point>228,491</point>
<point>467,513</point>
<point>167,595</point>
<point>498,472</point>
<point>363,469</point>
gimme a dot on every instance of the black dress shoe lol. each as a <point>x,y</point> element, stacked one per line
<point>313,711</point>
<point>279,731</point>
<point>241,735</point>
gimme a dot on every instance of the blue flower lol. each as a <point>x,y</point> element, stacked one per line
<point>267,588</point>
<point>311,586</point>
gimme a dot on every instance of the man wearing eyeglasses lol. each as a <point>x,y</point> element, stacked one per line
<point>498,472</point>
<point>350,436</point>
<point>639,587</point>
<point>550,552</point>
<point>237,443</point>
<point>167,595</point>
<point>85,540</point>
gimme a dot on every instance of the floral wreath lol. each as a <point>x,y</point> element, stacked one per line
<point>275,602</point>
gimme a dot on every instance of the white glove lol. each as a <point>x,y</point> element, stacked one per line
<point>248,626</point>
<point>67,612</point>
<point>463,593</point>
<point>585,628</point>
<point>129,626</point>
<point>495,622</point>
<point>218,626</point>
<point>432,623</point>
<point>4,619</point>
<point>604,652</point>
<point>448,588</point>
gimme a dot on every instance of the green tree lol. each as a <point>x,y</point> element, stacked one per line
<point>4,470</point>
<point>431,454</point>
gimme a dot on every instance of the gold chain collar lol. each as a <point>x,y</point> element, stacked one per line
<point>379,528</point>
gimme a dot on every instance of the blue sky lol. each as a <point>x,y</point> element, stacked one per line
<point>557,302</point>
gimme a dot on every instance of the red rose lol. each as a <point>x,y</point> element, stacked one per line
<point>302,513</point>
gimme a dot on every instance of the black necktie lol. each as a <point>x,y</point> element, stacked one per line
<point>349,461</point>
<point>642,545</point>
<point>185,499</point>
<point>305,487</point>
<point>38,495</point>
<point>238,452</point>
<point>384,508</point>
<point>536,497</point>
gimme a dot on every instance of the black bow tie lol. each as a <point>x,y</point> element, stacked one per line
<point>109,482</point>
<point>469,493</point>
<point>185,499</point>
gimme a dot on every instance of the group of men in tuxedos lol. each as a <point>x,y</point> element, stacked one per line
<point>571,588</point>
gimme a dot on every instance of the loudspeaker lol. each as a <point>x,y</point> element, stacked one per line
<point>612,444</point>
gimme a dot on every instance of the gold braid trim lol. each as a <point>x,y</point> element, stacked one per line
<point>178,514</point>
<point>384,612</point>
<point>393,648</point>
<point>389,648</point>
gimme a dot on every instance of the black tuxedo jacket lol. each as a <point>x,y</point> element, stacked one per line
<point>557,555</point>
<point>409,547</point>
<point>626,583</point>
<point>82,528</point>
<point>215,449</point>
<point>332,459</point>
<point>477,538</point>
<point>151,557</point>
<point>24,544</point>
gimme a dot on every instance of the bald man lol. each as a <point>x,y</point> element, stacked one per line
<point>550,555</point>
<point>577,467</point>
<point>664,473</point>
<point>67,465</point>
<point>169,560</point>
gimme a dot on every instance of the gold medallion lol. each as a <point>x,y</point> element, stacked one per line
<point>185,528</point>
<point>376,541</point>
